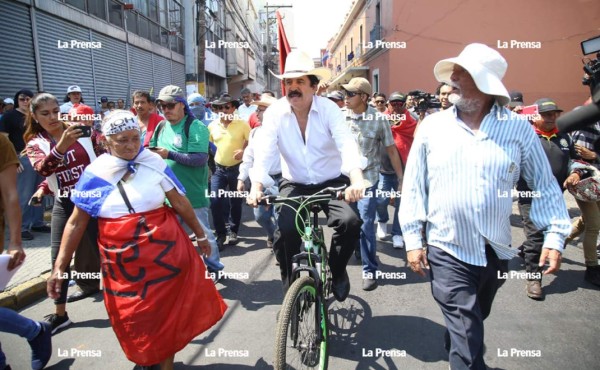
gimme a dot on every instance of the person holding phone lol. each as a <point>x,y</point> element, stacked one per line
<point>60,153</point>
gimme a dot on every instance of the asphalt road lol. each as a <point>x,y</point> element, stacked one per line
<point>396,326</point>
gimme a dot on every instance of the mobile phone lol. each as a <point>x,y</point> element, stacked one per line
<point>86,131</point>
<point>35,201</point>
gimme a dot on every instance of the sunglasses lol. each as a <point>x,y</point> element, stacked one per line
<point>228,106</point>
<point>397,102</point>
<point>351,94</point>
<point>167,105</point>
<point>379,101</point>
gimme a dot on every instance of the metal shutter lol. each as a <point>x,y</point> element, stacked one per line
<point>17,60</point>
<point>141,70</point>
<point>110,68</point>
<point>162,73</point>
<point>178,77</point>
<point>64,67</point>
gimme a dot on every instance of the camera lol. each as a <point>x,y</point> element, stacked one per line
<point>591,67</point>
<point>425,101</point>
<point>589,114</point>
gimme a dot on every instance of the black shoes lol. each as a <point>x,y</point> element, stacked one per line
<point>26,235</point>
<point>369,284</point>
<point>80,294</point>
<point>592,275</point>
<point>57,322</point>
<point>41,229</point>
<point>41,347</point>
<point>341,287</point>
<point>221,241</point>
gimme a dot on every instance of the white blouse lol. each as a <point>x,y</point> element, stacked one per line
<point>145,189</point>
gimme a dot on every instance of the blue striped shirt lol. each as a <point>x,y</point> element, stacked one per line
<point>458,182</point>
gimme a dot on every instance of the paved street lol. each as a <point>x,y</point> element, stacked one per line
<point>397,326</point>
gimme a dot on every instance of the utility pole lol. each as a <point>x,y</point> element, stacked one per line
<point>201,39</point>
<point>268,61</point>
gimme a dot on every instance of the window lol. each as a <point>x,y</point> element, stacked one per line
<point>141,6</point>
<point>79,4</point>
<point>175,17</point>
<point>97,8</point>
<point>144,28</point>
<point>155,33</point>
<point>153,10</point>
<point>162,11</point>
<point>115,13</point>
<point>131,18</point>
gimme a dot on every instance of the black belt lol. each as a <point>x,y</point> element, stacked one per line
<point>227,167</point>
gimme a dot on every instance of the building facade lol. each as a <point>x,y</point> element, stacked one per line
<point>404,39</point>
<point>100,45</point>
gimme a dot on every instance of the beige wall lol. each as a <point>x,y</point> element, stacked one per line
<point>434,30</point>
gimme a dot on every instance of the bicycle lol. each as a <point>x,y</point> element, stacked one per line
<point>302,328</point>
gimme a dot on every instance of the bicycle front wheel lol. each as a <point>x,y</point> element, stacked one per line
<point>302,332</point>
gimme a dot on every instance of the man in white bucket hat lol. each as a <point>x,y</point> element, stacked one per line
<point>317,151</point>
<point>461,169</point>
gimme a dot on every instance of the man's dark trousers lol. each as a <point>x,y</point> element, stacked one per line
<point>465,294</point>
<point>340,216</point>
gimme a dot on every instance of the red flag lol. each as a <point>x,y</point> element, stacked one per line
<point>284,47</point>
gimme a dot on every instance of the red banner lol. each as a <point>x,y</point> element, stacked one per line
<point>156,292</point>
<point>284,47</point>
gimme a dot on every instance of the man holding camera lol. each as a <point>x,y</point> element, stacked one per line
<point>459,176</point>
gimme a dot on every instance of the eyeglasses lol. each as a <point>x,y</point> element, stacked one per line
<point>379,101</point>
<point>169,106</point>
<point>351,94</point>
<point>26,98</point>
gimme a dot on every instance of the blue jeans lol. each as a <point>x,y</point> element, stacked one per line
<point>13,323</point>
<point>222,207</point>
<point>388,183</point>
<point>367,207</point>
<point>27,183</point>
<point>266,219</point>
<point>213,263</point>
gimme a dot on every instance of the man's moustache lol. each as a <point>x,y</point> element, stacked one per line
<point>292,94</point>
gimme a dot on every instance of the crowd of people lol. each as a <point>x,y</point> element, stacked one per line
<point>455,157</point>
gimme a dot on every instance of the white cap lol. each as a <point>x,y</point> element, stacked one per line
<point>73,88</point>
<point>9,101</point>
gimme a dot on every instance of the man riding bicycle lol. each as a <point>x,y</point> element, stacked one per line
<point>317,151</point>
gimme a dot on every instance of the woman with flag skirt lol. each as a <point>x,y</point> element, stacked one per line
<point>60,153</point>
<point>156,292</point>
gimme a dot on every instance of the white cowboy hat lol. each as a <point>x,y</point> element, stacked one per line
<point>265,100</point>
<point>298,63</point>
<point>484,64</point>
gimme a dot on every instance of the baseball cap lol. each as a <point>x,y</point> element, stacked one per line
<point>169,93</point>
<point>516,98</point>
<point>73,88</point>
<point>337,95</point>
<point>9,101</point>
<point>359,84</point>
<point>104,99</point>
<point>546,105</point>
<point>80,109</point>
<point>397,96</point>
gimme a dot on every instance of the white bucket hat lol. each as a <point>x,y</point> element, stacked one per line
<point>298,63</point>
<point>485,65</point>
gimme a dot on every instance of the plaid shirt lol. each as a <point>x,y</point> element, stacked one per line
<point>372,132</point>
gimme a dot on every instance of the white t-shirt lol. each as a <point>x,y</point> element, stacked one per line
<point>145,189</point>
<point>245,111</point>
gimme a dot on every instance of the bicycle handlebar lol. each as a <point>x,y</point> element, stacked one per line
<point>329,193</point>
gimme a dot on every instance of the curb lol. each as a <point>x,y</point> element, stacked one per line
<point>25,293</point>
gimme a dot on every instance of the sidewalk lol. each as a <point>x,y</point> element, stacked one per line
<point>29,283</point>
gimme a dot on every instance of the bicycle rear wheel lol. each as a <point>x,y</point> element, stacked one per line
<point>297,344</point>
